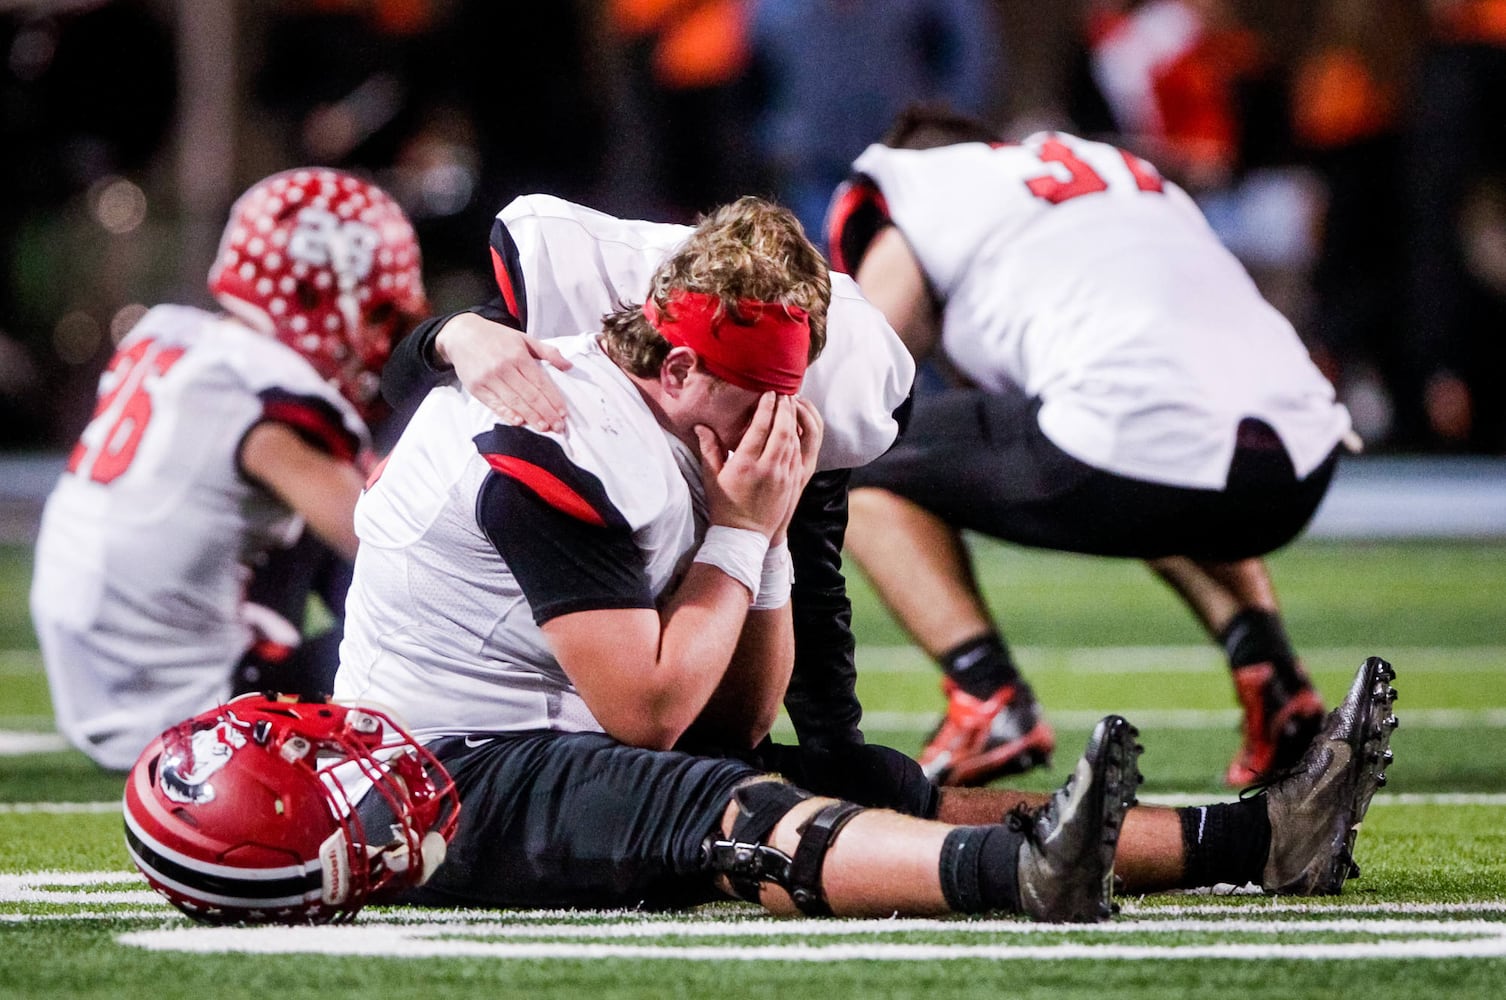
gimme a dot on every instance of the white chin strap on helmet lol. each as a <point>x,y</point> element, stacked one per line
<point>351,250</point>
<point>334,863</point>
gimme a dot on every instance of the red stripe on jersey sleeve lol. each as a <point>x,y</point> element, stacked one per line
<point>550,488</point>
<point>504,283</point>
<point>858,210</point>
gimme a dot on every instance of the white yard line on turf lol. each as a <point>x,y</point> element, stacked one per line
<point>20,662</point>
<point>14,743</point>
<point>1381,799</point>
<point>1377,939</point>
<point>17,743</point>
<point>906,659</point>
<point>98,888</point>
<point>1310,931</point>
<point>1195,718</point>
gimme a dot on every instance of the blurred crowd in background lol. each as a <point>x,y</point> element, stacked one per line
<point>1351,152</point>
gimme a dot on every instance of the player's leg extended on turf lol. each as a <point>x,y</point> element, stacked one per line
<point>1153,848</point>
<point>1295,837</point>
<point>883,863</point>
<point>794,852</point>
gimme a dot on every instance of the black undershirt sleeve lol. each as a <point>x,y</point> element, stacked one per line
<point>822,700</point>
<point>552,522</point>
<point>413,370</point>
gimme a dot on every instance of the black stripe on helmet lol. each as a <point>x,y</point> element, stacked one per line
<point>252,890</point>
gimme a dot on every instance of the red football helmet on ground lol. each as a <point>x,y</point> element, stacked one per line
<point>248,812</point>
<point>327,263</point>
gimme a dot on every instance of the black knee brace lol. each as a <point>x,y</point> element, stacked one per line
<point>748,861</point>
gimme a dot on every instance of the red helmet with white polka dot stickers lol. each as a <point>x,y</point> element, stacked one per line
<point>327,263</point>
<point>271,810</point>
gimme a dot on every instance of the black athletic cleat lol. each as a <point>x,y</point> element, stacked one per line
<point>1316,808</point>
<point>1066,865</point>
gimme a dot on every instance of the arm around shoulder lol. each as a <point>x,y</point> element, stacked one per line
<point>500,365</point>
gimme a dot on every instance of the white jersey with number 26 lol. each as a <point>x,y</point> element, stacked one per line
<point>147,540</point>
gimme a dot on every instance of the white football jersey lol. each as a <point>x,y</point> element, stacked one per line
<point>576,265</point>
<point>1072,269</point>
<point>146,540</point>
<point>437,623</point>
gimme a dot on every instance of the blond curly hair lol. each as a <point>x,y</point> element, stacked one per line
<point>749,249</point>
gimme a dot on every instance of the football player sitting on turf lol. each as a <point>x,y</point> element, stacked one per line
<point>201,828</point>
<point>215,440</point>
<point>555,612</point>
<point>559,268</point>
<point>1121,389</point>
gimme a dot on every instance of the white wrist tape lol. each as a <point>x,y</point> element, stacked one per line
<point>738,552</point>
<point>778,577</point>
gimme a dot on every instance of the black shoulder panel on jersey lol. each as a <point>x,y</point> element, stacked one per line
<point>858,213</point>
<point>315,419</point>
<point>507,267</point>
<point>555,527</point>
<point>539,463</point>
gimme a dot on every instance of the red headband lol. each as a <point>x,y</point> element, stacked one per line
<point>767,346</point>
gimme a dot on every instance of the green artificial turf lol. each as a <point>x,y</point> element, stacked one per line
<point>1094,636</point>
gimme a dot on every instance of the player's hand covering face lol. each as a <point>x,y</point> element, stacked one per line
<point>757,485</point>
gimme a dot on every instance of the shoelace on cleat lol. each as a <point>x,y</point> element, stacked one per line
<point>1027,821</point>
<point>1266,782</point>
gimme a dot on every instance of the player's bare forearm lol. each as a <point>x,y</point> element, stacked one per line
<point>314,484</point>
<point>647,687</point>
<point>744,707</point>
<point>891,279</point>
<point>647,675</point>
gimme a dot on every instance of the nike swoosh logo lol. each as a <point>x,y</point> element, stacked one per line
<point>477,741</point>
